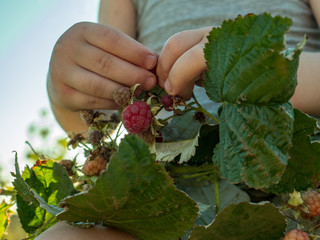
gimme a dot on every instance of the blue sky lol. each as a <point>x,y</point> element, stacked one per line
<point>29,30</point>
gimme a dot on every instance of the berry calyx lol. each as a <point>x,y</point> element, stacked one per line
<point>296,234</point>
<point>312,199</point>
<point>122,96</point>
<point>167,102</point>
<point>137,117</point>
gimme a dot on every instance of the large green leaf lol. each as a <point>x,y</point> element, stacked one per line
<point>251,73</point>
<point>246,63</point>
<point>254,143</point>
<point>244,221</point>
<point>303,168</point>
<point>136,195</point>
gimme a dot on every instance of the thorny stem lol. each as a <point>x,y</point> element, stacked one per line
<point>216,192</point>
<point>166,119</point>
<point>201,109</point>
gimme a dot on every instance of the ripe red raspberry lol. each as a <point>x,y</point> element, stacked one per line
<point>167,102</point>
<point>95,166</point>
<point>122,96</point>
<point>137,117</point>
<point>296,234</point>
<point>312,199</point>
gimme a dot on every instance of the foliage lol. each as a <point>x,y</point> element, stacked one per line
<point>258,143</point>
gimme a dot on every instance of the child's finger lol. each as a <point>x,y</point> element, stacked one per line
<point>185,71</point>
<point>177,45</point>
<point>119,44</point>
<point>113,67</point>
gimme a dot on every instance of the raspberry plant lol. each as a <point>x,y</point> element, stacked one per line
<point>258,143</point>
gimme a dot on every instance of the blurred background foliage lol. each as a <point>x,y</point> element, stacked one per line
<point>41,141</point>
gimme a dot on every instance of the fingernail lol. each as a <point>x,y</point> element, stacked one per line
<point>150,62</point>
<point>167,86</point>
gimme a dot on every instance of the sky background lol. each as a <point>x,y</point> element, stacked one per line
<point>28,32</point>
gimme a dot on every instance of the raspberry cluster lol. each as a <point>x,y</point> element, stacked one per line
<point>296,234</point>
<point>137,117</point>
<point>312,199</point>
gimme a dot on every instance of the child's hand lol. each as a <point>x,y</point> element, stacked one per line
<point>181,63</point>
<point>90,61</point>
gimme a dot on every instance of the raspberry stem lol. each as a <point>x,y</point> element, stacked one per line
<point>201,109</point>
<point>216,192</point>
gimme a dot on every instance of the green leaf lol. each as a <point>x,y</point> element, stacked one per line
<point>244,221</point>
<point>303,168</point>
<point>4,208</point>
<point>208,139</point>
<point>21,186</point>
<point>254,143</point>
<point>40,189</point>
<point>251,73</point>
<point>181,128</point>
<point>246,63</point>
<point>168,151</point>
<point>136,195</point>
<point>194,150</point>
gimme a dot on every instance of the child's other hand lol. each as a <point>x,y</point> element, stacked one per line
<point>91,60</point>
<point>181,63</point>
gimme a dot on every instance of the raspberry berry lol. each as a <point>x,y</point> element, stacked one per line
<point>95,166</point>
<point>137,117</point>
<point>296,234</point>
<point>122,96</point>
<point>312,199</point>
<point>167,102</point>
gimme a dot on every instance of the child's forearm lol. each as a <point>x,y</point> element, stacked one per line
<point>68,120</point>
<point>307,94</point>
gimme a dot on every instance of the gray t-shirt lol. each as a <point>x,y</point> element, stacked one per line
<point>160,19</point>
